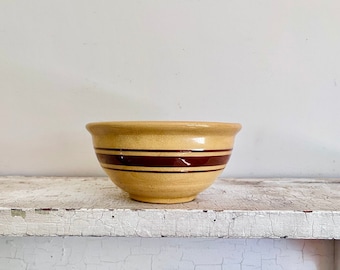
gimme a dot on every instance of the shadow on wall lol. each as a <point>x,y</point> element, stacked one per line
<point>44,132</point>
<point>280,152</point>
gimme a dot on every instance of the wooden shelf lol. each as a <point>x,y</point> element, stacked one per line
<point>231,208</point>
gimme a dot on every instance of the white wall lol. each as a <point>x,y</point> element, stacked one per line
<point>273,66</point>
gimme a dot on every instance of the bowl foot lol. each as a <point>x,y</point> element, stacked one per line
<point>162,200</point>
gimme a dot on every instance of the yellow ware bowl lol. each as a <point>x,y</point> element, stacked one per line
<point>163,162</point>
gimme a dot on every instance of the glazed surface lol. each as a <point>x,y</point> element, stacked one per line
<point>163,162</point>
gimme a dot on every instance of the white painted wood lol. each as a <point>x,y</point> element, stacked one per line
<point>136,253</point>
<point>232,208</point>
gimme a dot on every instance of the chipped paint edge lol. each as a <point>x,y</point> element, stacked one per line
<point>170,223</point>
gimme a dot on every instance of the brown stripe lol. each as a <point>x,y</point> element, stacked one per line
<point>162,150</point>
<point>154,161</point>
<point>150,171</point>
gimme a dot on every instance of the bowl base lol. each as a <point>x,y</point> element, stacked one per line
<point>162,200</point>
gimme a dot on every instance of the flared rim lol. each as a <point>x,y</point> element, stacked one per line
<point>165,125</point>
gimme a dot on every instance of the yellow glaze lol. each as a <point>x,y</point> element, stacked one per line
<point>137,156</point>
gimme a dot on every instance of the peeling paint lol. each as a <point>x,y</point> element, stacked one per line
<point>18,213</point>
<point>42,211</point>
<point>90,209</point>
<point>22,253</point>
<point>85,209</point>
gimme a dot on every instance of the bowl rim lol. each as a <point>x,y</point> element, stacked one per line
<point>163,125</point>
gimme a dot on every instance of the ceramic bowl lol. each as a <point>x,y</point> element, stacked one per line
<point>163,162</point>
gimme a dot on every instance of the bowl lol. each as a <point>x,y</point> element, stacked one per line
<point>163,161</point>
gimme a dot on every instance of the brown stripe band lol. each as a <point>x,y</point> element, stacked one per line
<point>150,171</point>
<point>154,161</point>
<point>162,150</point>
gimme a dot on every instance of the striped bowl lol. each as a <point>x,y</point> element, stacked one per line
<point>163,162</point>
